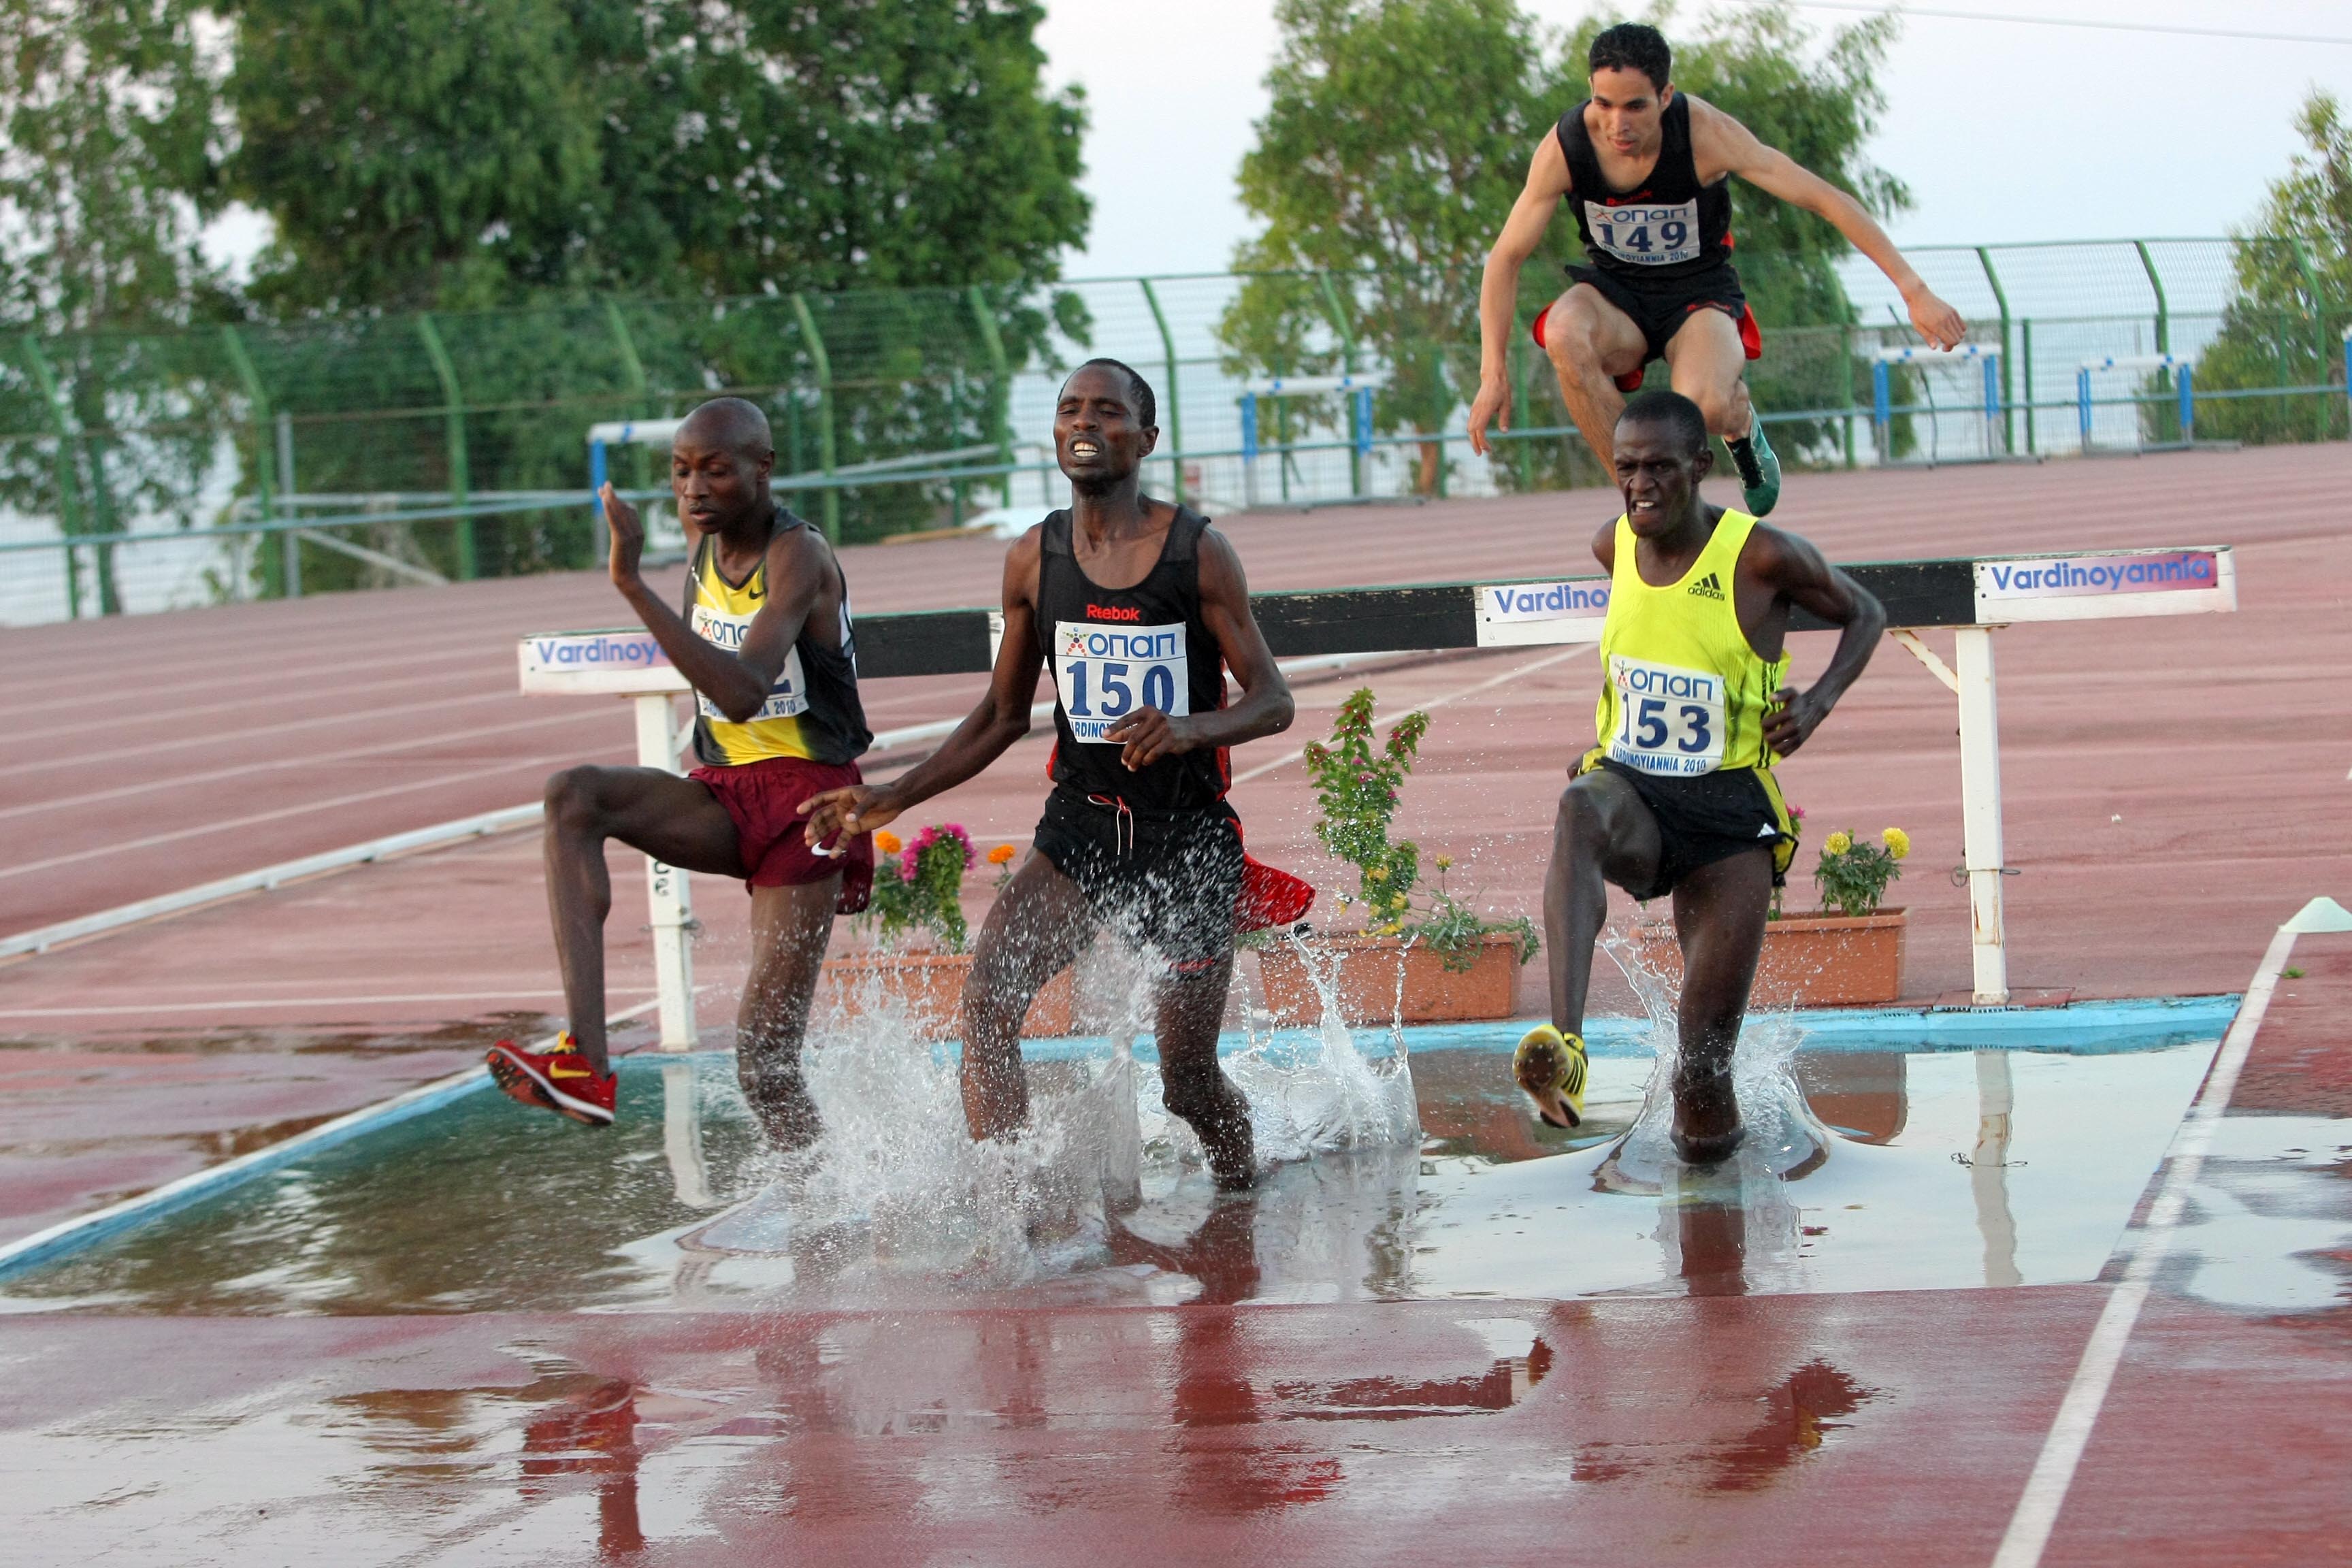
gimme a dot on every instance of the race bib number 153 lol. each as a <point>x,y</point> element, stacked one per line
<point>1669,720</point>
<point>1104,673</point>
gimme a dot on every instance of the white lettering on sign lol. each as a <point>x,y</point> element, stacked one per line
<point>787,698</point>
<point>2104,584</point>
<point>1102,674</point>
<point>1669,720</point>
<point>1645,235</point>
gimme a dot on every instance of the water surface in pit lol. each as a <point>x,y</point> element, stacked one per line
<point>1871,1170</point>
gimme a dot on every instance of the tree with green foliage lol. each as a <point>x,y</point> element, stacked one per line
<point>1397,139</point>
<point>2291,297</point>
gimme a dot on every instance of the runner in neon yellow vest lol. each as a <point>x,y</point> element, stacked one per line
<point>1677,797</point>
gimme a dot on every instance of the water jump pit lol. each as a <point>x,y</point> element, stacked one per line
<point>1888,1150</point>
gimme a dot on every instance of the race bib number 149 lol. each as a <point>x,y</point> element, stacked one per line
<point>1645,235</point>
<point>1104,673</point>
<point>1669,720</point>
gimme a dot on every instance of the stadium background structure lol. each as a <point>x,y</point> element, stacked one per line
<point>147,472</point>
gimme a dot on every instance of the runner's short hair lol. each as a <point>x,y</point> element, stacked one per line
<point>1632,47</point>
<point>1147,406</point>
<point>1671,409</point>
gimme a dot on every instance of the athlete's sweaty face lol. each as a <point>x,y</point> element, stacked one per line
<point>1099,440</point>
<point>1625,109</point>
<point>1658,474</point>
<point>717,481</point>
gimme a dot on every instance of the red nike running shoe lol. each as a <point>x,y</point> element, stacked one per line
<point>559,1079</point>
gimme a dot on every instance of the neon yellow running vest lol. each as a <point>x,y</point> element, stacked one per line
<point>817,719</point>
<point>1682,692</point>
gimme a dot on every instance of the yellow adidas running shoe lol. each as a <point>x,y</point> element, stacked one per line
<point>1550,1067</point>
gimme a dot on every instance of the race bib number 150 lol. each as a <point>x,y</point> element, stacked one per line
<point>1669,720</point>
<point>1104,673</point>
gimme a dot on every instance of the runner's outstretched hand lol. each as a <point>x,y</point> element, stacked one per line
<point>1149,736</point>
<point>1793,718</point>
<point>1492,406</point>
<point>1942,326</point>
<point>850,810</point>
<point>628,536</point>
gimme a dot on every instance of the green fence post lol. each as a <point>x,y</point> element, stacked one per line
<point>1175,400</point>
<point>453,402</point>
<point>2008,386</point>
<point>2321,346</point>
<point>2163,324</point>
<point>1845,384</point>
<point>2025,353</point>
<point>275,576</point>
<point>69,517</point>
<point>1340,324</point>
<point>1000,388</point>
<point>633,377</point>
<point>830,506</point>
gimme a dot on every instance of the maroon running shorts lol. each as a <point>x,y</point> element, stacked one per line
<point>764,800</point>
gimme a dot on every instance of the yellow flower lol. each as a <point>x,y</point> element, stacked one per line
<point>1898,843</point>
<point>1378,873</point>
<point>1838,843</point>
<point>1000,856</point>
<point>888,842</point>
<point>1445,862</point>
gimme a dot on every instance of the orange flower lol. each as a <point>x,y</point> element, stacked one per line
<point>1000,856</point>
<point>887,842</point>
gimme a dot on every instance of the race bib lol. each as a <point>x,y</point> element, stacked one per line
<point>1645,235</point>
<point>1104,673</point>
<point>1669,720</point>
<point>788,698</point>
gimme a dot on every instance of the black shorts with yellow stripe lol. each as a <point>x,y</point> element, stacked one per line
<point>1707,817</point>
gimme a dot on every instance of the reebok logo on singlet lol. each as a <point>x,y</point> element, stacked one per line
<point>1113,612</point>
<point>1707,588</point>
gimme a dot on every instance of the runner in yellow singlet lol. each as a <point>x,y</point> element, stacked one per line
<point>1678,796</point>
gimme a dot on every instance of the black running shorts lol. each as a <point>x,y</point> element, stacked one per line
<point>1660,309</point>
<point>1708,817</point>
<point>1164,880</point>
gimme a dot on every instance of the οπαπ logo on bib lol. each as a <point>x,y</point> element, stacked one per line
<point>1669,720</point>
<point>787,698</point>
<point>1104,673</point>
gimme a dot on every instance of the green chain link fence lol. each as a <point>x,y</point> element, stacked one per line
<point>140,473</point>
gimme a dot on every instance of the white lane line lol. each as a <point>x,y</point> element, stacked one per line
<point>239,1006</point>
<point>512,765</point>
<point>228,674</point>
<point>2028,1535</point>
<point>334,699</point>
<point>215,738</point>
<point>1515,673</point>
<point>80,1231</point>
<point>307,760</point>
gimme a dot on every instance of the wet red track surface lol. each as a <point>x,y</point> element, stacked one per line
<point>2173,789</point>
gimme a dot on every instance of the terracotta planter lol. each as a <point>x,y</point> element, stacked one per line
<point>1367,969</point>
<point>1810,959</point>
<point>931,986</point>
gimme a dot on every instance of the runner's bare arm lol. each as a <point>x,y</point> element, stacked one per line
<point>1720,143</point>
<point>1795,571</point>
<point>1265,708</point>
<point>739,682</point>
<point>1001,718</point>
<point>1499,289</point>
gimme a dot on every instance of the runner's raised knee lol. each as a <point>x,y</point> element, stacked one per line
<point>571,802</point>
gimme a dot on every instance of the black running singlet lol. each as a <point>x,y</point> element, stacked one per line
<point>1113,650</point>
<point>1671,228</point>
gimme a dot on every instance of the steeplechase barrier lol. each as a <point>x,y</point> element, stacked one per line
<point>1972,597</point>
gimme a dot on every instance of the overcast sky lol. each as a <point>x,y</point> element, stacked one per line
<point>2003,132</point>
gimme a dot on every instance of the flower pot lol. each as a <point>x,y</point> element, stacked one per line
<point>1368,971</point>
<point>930,985</point>
<point>1810,959</point>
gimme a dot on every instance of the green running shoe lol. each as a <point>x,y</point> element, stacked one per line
<point>1759,470</point>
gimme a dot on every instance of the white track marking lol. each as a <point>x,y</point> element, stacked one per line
<point>215,681</point>
<point>1509,674</point>
<point>168,1007</point>
<point>125,847</point>
<point>217,738</point>
<point>2023,1543</point>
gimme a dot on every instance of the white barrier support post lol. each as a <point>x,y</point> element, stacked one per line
<point>665,886</point>
<point>1981,810</point>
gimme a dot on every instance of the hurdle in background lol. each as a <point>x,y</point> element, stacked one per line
<point>2184,380</point>
<point>1357,388</point>
<point>1973,597</point>
<point>1882,390</point>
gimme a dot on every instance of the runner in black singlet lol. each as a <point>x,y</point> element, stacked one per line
<point>1647,171</point>
<point>1138,608</point>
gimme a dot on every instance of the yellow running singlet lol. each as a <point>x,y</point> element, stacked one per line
<point>722,612</point>
<point>1682,693</point>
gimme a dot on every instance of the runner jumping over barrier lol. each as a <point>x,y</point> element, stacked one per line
<point>1649,167</point>
<point>1137,608</point>
<point>1678,797</point>
<point>766,644</point>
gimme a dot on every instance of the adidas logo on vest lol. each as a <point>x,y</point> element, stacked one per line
<point>1707,588</point>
